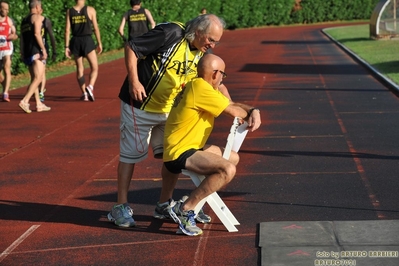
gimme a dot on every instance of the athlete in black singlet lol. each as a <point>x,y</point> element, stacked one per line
<point>137,19</point>
<point>34,54</point>
<point>81,20</point>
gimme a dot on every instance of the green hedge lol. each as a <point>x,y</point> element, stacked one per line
<point>313,11</point>
<point>236,13</point>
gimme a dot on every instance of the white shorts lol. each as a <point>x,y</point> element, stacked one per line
<point>5,53</point>
<point>139,129</point>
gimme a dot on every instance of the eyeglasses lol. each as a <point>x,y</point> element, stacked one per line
<point>224,75</point>
<point>212,41</point>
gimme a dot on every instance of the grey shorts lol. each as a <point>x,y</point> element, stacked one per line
<point>139,130</point>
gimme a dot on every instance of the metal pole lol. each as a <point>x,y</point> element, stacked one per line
<point>394,15</point>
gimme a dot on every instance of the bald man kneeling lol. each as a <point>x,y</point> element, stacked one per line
<point>187,129</point>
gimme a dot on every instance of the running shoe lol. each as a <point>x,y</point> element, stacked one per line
<point>90,93</point>
<point>185,219</point>
<point>41,96</point>
<point>84,97</point>
<point>122,216</point>
<point>25,107</point>
<point>162,211</point>
<point>201,217</point>
<point>6,98</point>
<point>42,108</point>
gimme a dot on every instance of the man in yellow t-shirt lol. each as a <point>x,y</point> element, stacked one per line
<point>187,129</point>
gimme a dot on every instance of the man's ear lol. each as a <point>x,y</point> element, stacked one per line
<point>214,73</point>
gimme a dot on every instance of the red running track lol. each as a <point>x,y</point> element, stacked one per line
<point>317,156</point>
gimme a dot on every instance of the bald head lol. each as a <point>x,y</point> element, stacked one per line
<point>209,68</point>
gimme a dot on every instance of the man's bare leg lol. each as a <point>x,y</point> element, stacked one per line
<point>36,72</point>
<point>169,181</point>
<point>7,73</point>
<point>92,58</point>
<point>80,73</point>
<point>218,170</point>
<point>121,214</point>
<point>125,174</point>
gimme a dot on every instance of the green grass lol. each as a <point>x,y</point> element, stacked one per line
<point>63,68</point>
<point>383,55</point>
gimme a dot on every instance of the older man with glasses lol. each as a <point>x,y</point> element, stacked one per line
<point>159,64</point>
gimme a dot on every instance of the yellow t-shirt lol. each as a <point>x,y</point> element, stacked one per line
<point>191,118</point>
<point>172,74</point>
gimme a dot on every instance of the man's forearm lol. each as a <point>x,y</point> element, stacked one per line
<point>131,64</point>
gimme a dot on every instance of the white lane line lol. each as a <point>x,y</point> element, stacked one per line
<point>201,247</point>
<point>17,242</point>
<point>176,241</point>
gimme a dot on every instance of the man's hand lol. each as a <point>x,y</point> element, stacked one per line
<point>137,91</point>
<point>44,54</point>
<point>11,37</point>
<point>254,120</point>
<point>67,52</point>
<point>99,48</point>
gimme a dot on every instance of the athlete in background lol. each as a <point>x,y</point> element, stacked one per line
<point>81,21</point>
<point>33,54</point>
<point>8,34</point>
<point>137,19</point>
<point>48,32</point>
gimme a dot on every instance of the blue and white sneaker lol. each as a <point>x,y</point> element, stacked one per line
<point>185,219</point>
<point>122,216</point>
<point>200,217</point>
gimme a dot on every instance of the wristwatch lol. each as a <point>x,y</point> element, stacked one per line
<point>250,112</point>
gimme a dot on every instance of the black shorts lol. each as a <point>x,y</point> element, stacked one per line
<point>81,45</point>
<point>177,165</point>
<point>29,60</point>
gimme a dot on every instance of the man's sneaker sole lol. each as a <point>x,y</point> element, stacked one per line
<point>183,231</point>
<point>160,216</point>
